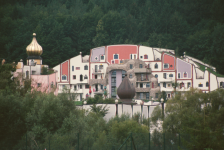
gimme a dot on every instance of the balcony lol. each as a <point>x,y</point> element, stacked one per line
<point>143,80</point>
<point>100,71</point>
<point>142,70</point>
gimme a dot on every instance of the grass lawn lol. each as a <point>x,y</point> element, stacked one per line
<point>202,68</point>
<point>78,103</point>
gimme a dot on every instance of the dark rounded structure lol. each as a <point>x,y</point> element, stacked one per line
<point>126,91</point>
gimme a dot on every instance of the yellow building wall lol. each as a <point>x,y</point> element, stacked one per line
<point>38,61</point>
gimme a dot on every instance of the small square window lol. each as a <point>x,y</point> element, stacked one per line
<point>100,66</point>
<point>169,85</point>
<point>74,77</point>
<point>200,85</point>
<point>141,57</point>
<point>85,77</point>
<point>131,66</point>
<point>130,76</point>
<point>64,77</point>
<point>85,67</point>
<point>156,75</point>
<point>77,68</point>
<point>170,75</point>
<point>102,57</point>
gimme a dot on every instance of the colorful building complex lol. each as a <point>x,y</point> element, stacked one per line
<point>150,71</point>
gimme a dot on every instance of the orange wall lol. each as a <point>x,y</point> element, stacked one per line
<point>124,52</point>
<point>170,60</point>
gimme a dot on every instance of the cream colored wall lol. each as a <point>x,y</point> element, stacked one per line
<point>146,50</point>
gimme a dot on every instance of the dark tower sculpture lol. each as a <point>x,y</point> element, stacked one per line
<point>126,91</point>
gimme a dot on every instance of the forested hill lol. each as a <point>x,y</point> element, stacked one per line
<point>66,27</point>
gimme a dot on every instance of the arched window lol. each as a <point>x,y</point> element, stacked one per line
<point>85,67</point>
<point>115,56</point>
<point>185,74</point>
<point>81,77</point>
<point>156,66</point>
<point>64,77</point>
<point>166,65</point>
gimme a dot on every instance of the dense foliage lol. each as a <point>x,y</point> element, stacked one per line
<point>31,118</point>
<point>64,28</point>
<point>198,115</point>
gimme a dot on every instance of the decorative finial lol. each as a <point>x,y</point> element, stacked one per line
<point>205,68</point>
<point>34,34</point>
<point>80,53</point>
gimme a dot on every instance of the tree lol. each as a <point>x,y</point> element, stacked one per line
<point>199,115</point>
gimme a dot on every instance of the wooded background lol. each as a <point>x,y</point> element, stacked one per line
<point>66,27</point>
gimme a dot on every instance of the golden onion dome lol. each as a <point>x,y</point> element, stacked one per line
<point>34,49</point>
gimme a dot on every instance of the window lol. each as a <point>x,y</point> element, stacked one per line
<point>131,66</point>
<point>72,68</point>
<point>101,87</point>
<point>116,56</point>
<point>200,85</point>
<point>140,65</point>
<point>81,77</point>
<point>168,85</point>
<point>80,86</point>
<point>85,77</point>
<point>164,75</point>
<point>166,65</point>
<point>221,84</point>
<point>96,58</point>
<point>121,61</point>
<point>147,95</point>
<point>185,74</point>
<point>96,68</point>
<point>77,68</point>
<point>114,73</point>
<point>142,77</point>
<point>171,66</point>
<point>188,84</point>
<point>95,76</point>
<point>168,95</point>
<point>158,84</point>
<point>141,96</point>
<point>141,85</point>
<point>170,75</point>
<point>112,62</point>
<point>207,84</point>
<point>64,77</point>
<point>38,84</point>
<point>27,74</point>
<point>145,56</point>
<point>141,57</point>
<point>157,95</point>
<point>156,66</point>
<point>164,84</point>
<point>131,56</point>
<point>101,66</point>
<point>181,85</point>
<point>74,77</point>
<point>179,75</point>
<point>96,87</point>
<point>148,85</point>
<point>85,67</point>
<point>86,86</point>
<point>123,74</point>
<point>130,76</point>
<point>75,88</point>
<point>156,75</point>
<point>102,57</point>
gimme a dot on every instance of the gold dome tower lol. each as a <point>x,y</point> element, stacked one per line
<point>34,50</point>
